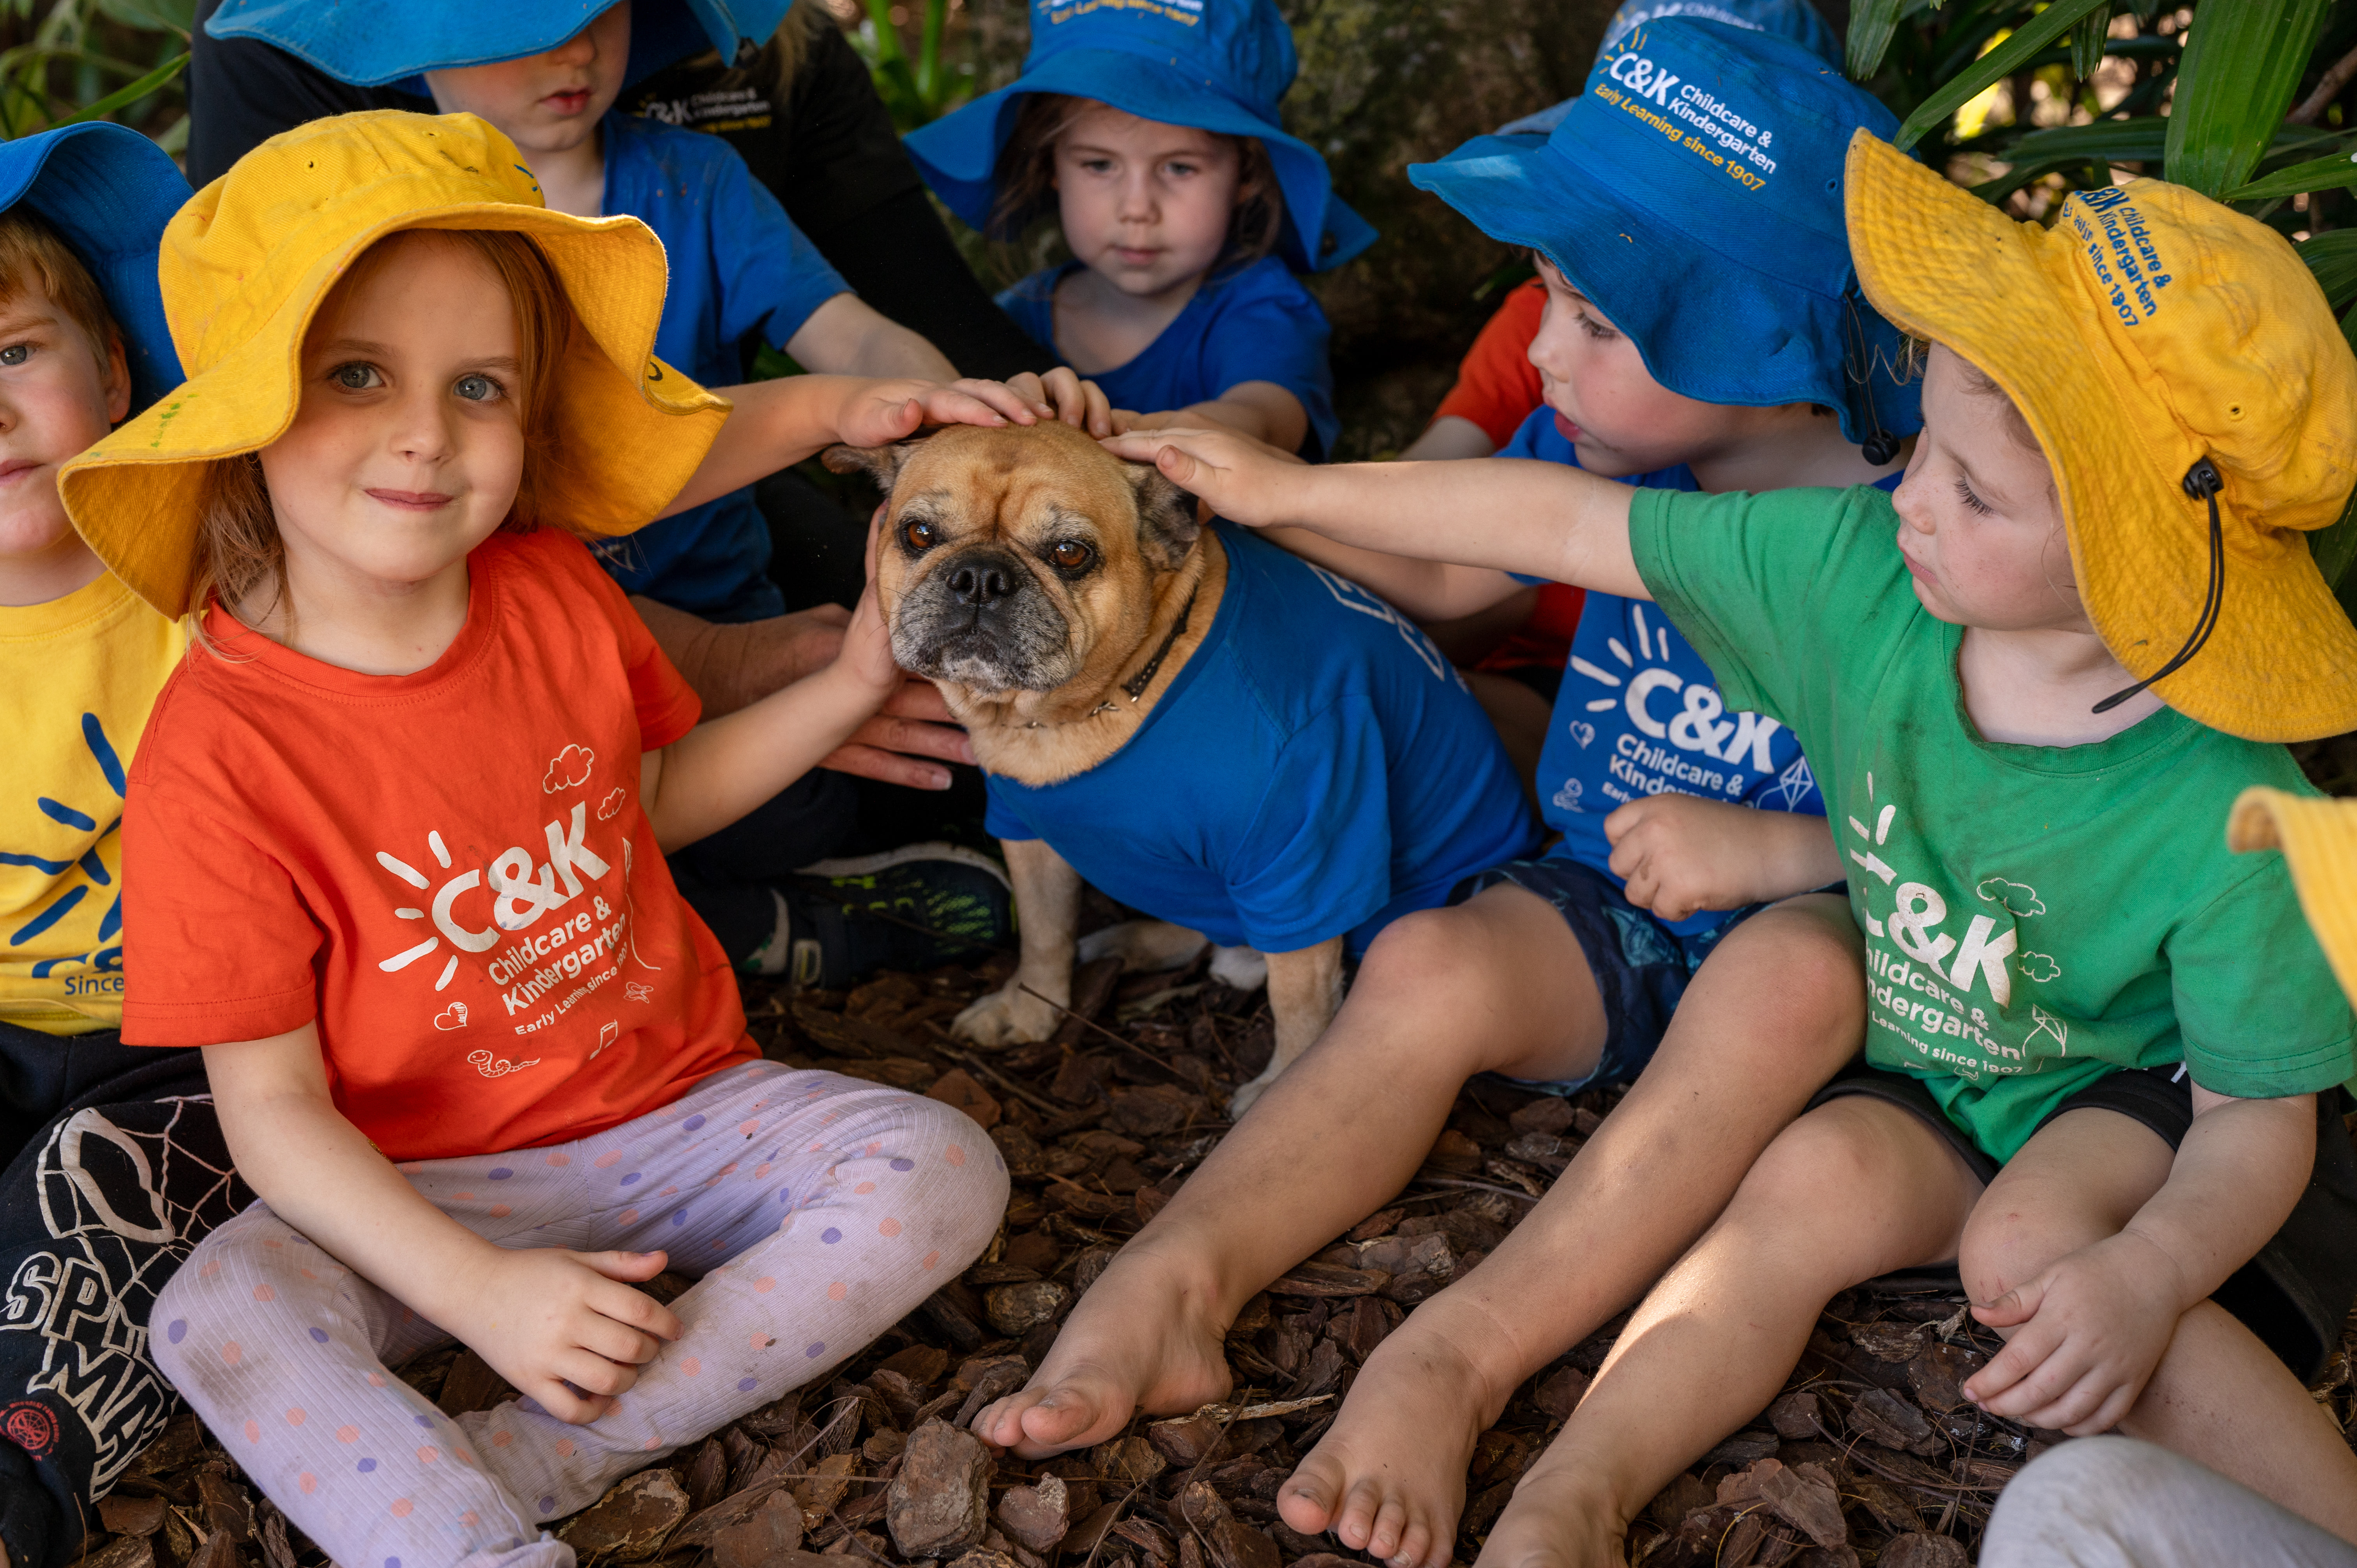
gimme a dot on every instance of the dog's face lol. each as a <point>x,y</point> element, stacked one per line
<point>1018,559</point>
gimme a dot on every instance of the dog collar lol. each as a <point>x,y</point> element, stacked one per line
<point>1135,685</point>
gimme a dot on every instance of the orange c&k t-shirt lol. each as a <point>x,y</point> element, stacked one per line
<point>447,870</point>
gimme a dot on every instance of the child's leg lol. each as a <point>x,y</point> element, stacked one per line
<point>284,1353</point>
<point>849,1202</point>
<point>1775,1011</point>
<point>2218,1396</point>
<point>1855,1188</point>
<point>1497,983</point>
<point>96,1210</point>
<point>838,1205</point>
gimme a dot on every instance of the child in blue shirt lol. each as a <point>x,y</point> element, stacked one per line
<point>1671,361</point>
<point>1151,132</point>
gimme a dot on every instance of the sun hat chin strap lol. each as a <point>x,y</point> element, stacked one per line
<point>2202,483</point>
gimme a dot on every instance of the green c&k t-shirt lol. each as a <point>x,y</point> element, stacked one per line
<point>2035,917</point>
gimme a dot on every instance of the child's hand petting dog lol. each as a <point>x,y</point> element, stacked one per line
<point>2086,1336</point>
<point>1238,477</point>
<point>1060,393</point>
<point>545,1319</point>
<point>876,412</point>
<point>1680,854</point>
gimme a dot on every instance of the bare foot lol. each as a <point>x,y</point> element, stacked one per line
<point>1145,1335</point>
<point>1559,1518</point>
<point>1388,1478</point>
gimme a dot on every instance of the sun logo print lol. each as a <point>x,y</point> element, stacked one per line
<point>519,892</point>
<point>77,896</point>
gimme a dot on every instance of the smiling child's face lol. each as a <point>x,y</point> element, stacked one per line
<point>1144,204</point>
<point>545,102</point>
<point>408,446</point>
<point>1979,521</point>
<point>58,395</point>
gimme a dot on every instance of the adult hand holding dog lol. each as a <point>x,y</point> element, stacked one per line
<point>1680,854</point>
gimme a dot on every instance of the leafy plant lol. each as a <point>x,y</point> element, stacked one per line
<point>2208,96</point>
<point>90,59</point>
<point>920,90</point>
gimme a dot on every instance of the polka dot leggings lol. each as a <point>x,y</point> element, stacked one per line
<point>818,1209</point>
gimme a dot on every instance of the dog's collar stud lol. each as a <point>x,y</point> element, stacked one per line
<point>1137,684</point>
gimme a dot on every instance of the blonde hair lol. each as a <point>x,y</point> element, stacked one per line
<point>239,551</point>
<point>1025,182</point>
<point>32,252</point>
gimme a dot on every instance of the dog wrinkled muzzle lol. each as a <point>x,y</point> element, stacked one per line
<point>980,619</point>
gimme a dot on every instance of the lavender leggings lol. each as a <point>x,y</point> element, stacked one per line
<point>818,1209</point>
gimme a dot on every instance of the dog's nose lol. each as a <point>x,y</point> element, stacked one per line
<point>981,583</point>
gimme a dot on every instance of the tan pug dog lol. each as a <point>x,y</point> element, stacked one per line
<point>1039,581</point>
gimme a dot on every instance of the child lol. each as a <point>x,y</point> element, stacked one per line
<point>83,342</point>
<point>740,274</point>
<point>1151,131</point>
<point>1515,650</point>
<point>476,1087</point>
<point>1682,819</point>
<point>2044,943</point>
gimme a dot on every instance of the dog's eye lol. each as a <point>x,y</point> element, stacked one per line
<point>919,534</point>
<point>1070,554</point>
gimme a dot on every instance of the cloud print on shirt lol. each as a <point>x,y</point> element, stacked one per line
<point>567,768</point>
<point>612,804</point>
<point>2019,898</point>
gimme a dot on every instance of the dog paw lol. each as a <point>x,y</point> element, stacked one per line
<point>1241,1099</point>
<point>1008,1017</point>
<point>1143,947</point>
<point>1243,968</point>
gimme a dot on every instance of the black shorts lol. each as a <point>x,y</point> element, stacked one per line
<point>2296,1295</point>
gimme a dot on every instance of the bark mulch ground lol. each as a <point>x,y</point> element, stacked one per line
<point>1870,1455</point>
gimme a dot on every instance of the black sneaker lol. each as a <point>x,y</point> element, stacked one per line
<point>915,907</point>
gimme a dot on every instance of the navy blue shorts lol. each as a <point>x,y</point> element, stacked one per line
<point>1641,966</point>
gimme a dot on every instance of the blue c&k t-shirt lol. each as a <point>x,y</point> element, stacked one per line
<point>738,267</point>
<point>1639,713</point>
<point>1316,767</point>
<point>1257,323</point>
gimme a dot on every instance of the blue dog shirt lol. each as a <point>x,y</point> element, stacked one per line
<point>1257,325</point>
<point>1315,768</point>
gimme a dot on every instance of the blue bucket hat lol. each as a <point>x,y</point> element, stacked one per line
<point>109,192</point>
<point>1216,65</point>
<point>1795,19</point>
<point>391,43</point>
<point>1694,193</point>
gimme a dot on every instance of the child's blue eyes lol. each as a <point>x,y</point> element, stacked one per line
<point>16,353</point>
<point>360,376</point>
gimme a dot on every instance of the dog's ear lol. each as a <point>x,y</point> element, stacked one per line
<point>1167,520</point>
<point>881,464</point>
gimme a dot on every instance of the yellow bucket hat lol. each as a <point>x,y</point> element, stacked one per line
<point>2149,329</point>
<point>2319,840</point>
<point>245,264</point>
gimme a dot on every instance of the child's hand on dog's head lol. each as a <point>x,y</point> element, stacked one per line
<point>1060,393</point>
<point>1242,480</point>
<point>2086,1334</point>
<point>566,1328</point>
<point>877,412</point>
